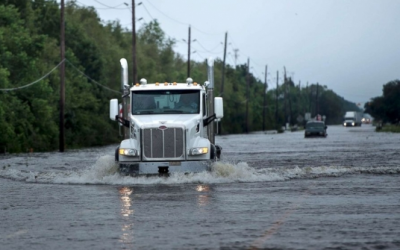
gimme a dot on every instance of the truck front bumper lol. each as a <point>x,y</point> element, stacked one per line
<point>149,168</point>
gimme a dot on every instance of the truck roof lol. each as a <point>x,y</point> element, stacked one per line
<point>166,85</point>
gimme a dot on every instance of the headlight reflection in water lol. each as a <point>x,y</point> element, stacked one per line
<point>127,237</point>
<point>203,197</point>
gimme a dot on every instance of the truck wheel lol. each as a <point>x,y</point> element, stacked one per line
<point>218,152</point>
<point>212,153</point>
<point>116,154</point>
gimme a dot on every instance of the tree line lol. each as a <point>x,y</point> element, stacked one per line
<point>29,48</point>
<point>386,108</point>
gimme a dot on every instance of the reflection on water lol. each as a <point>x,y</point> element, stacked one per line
<point>127,237</point>
<point>203,197</point>
<point>125,192</point>
<point>202,188</point>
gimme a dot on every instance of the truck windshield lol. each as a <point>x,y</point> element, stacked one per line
<point>165,102</point>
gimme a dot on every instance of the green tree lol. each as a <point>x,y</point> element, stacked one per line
<point>387,107</point>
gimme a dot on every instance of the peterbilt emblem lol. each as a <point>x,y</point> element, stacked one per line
<point>162,127</point>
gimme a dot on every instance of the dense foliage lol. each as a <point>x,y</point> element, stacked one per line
<point>29,48</point>
<point>386,108</point>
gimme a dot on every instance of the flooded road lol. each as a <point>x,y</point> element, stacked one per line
<point>270,191</point>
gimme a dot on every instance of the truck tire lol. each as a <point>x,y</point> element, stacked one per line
<point>116,154</point>
<point>218,152</point>
<point>212,153</point>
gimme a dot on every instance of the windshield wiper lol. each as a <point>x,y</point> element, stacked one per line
<point>172,111</point>
<point>139,112</point>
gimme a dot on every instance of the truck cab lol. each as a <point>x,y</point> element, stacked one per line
<point>168,126</point>
<point>352,119</point>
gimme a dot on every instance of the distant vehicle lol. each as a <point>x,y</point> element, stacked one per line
<point>352,119</point>
<point>367,119</point>
<point>315,129</point>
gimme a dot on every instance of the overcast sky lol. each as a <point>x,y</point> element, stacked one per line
<point>351,46</point>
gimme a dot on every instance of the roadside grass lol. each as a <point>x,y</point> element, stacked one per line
<point>388,128</point>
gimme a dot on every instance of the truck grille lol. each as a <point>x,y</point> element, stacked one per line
<point>167,144</point>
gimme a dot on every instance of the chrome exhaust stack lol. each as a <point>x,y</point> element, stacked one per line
<point>125,93</point>
<point>210,95</point>
<point>124,74</point>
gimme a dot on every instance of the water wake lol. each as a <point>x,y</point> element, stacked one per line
<point>105,171</point>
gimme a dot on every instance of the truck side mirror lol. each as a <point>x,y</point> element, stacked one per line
<point>218,107</point>
<point>113,108</point>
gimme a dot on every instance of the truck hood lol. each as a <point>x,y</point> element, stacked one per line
<point>187,120</point>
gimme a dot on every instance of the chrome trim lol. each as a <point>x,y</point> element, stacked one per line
<point>161,145</point>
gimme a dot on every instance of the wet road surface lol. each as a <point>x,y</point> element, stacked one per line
<point>270,191</point>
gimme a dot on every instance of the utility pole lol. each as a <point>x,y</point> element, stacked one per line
<point>188,62</point>
<point>265,96</point>
<point>276,105</point>
<point>309,98</point>
<point>316,102</point>
<point>223,67</point>
<point>223,79</point>
<point>285,95</point>
<point>134,61</point>
<point>236,55</point>
<point>62,76</point>
<point>247,95</point>
<point>290,101</point>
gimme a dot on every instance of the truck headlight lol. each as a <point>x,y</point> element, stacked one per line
<point>198,151</point>
<point>128,152</point>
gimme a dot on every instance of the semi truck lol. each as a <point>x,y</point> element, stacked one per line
<point>169,126</point>
<point>352,119</point>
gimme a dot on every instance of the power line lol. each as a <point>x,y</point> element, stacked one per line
<point>210,51</point>
<point>252,60</point>
<point>183,23</point>
<point>177,21</point>
<point>210,34</point>
<point>199,54</point>
<point>148,12</point>
<point>233,41</point>
<point>207,51</point>
<point>38,80</point>
<point>91,78</point>
<point>99,8</point>
<point>167,15</point>
<point>110,7</point>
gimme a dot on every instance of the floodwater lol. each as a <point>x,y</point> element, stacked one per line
<point>270,191</point>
